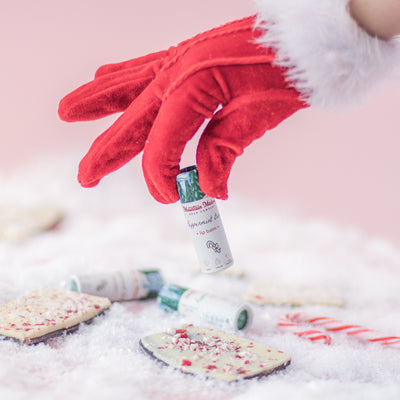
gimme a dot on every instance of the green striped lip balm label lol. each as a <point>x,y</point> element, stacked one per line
<point>188,185</point>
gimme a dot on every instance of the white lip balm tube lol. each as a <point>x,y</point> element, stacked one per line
<point>118,285</point>
<point>194,304</point>
<point>205,224</point>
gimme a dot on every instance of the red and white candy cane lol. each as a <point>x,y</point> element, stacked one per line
<point>297,324</point>
<point>291,325</point>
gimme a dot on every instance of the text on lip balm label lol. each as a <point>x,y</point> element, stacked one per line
<point>206,229</point>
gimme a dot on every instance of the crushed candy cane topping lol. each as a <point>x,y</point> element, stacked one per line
<point>215,353</point>
<point>46,310</point>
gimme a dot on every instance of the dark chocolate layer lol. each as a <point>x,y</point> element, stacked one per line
<point>260,375</point>
<point>50,335</point>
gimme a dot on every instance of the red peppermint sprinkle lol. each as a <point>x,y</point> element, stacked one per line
<point>186,362</point>
<point>183,333</point>
<point>211,367</point>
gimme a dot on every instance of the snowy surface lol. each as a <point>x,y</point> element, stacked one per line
<point>118,226</point>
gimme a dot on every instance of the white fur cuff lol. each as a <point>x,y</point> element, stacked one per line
<point>330,59</point>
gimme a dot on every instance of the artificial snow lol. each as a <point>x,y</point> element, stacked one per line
<point>117,225</point>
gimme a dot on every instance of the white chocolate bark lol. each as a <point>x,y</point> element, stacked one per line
<point>213,353</point>
<point>44,310</point>
<point>18,223</point>
<point>264,293</point>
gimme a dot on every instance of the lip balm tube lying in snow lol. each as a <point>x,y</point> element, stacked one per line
<point>204,222</point>
<point>195,304</point>
<point>118,285</point>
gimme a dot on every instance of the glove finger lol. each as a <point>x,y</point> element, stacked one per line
<point>180,116</point>
<point>134,63</point>
<point>233,128</point>
<point>121,142</point>
<point>108,94</point>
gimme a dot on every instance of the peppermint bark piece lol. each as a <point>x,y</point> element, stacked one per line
<point>18,223</point>
<point>213,353</point>
<point>44,313</point>
<point>271,293</point>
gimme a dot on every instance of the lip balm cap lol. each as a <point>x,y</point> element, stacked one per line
<point>242,320</point>
<point>169,296</point>
<point>155,281</point>
<point>72,284</point>
<point>187,182</point>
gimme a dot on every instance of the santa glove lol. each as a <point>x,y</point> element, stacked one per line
<point>166,96</point>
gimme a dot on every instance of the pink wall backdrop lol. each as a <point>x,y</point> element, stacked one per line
<point>344,168</point>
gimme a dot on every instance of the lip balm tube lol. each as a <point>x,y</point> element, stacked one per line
<point>118,285</point>
<point>205,224</point>
<point>214,310</point>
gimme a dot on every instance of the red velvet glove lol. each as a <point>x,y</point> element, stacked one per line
<point>166,96</point>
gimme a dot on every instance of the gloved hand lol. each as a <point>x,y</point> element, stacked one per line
<point>166,96</point>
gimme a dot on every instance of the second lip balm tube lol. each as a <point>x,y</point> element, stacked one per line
<point>118,285</point>
<point>204,223</point>
<point>211,309</point>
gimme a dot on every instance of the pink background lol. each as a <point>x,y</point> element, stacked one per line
<point>343,168</point>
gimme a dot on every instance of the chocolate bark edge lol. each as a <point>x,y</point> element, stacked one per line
<point>256,376</point>
<point>51,335</point>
